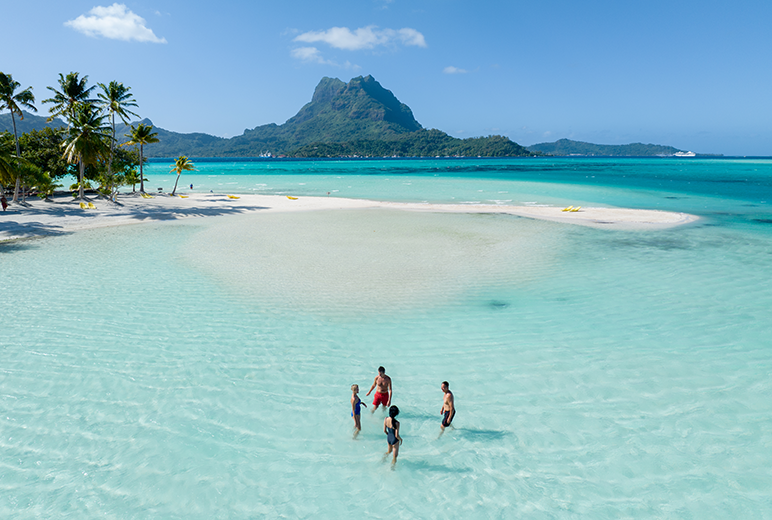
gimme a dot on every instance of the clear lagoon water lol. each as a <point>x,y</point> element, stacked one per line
<point>201,368</point>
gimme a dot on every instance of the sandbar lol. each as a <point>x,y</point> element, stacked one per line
<point>63,215</point>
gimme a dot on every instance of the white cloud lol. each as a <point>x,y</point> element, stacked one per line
<point>363,38</point>
<point>115,22</point>
<point>310,54</point>
<point>313,55</point>
<point>454,70</point>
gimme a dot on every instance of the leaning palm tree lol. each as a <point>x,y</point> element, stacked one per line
<point>87,141</point>
<point>180,165</point>
<point>72,92</point>
<point>116,99</point>
<point>13,101</point>
<point>141,135</point>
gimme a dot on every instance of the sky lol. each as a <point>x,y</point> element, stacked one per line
<point>696,75</point>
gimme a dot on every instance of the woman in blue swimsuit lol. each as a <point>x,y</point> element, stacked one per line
<point>356,402</point>
<point>391,429</point>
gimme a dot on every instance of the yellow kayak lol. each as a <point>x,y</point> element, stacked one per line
<point>292,198</point>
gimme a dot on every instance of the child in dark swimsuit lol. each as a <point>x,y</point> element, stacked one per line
<point>391,429</point>
<point>355,409</point>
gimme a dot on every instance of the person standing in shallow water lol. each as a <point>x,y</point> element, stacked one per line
<point>384,392</point>
<point>391,429</point>
<point>356,402</point>
<point>448,410</point>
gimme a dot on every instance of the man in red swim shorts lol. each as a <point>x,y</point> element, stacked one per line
<point>384,392</point>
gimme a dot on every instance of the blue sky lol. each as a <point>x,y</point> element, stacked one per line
<point>693,74</point>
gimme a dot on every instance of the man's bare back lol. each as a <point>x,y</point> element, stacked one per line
<point>448,410</point>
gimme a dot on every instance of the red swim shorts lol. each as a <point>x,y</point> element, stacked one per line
<point>381,399</point>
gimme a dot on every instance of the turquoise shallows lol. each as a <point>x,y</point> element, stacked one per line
<point>201,368</point>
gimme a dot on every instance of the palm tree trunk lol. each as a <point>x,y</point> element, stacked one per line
<point>18,154</point>
<point>175,185</point>
<point>110,162</point>
<point>141,174</point>
<point>80,180</point>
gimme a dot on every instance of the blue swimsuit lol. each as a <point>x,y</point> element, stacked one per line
<point>356,408</point>
<point>391,436</point>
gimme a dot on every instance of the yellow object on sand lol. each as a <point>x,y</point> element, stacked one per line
<point>292,198</point>
<point>183,196</point>
<point>576,209</point>
<point>233,197</point>
<point>146,196</point>
<point>91,206</point>
<point>569,208</point>
<point>82,205</point>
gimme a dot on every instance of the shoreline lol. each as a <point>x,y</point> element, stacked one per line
<point>63,214</point>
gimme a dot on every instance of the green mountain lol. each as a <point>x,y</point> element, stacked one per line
<point>29,123</point>
<point>358,118</point>
<point>568,147</point>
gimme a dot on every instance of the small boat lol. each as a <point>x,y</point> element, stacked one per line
<point>575,209</point>
<point>292,198</point>
<point>569,208</point>
<point>91,206</point>
<point>233,197</point>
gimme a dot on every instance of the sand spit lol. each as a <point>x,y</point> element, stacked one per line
<point>64,215</point>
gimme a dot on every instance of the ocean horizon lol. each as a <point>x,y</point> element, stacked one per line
<point>201,368</point>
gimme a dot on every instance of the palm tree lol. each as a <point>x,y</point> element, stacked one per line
<point>180,165</point>
<point>116,99</point>
<point>10,99</point>
<point>73,92</point>
<point>87,141</point>
<point>7,169</point>
<point>141,135</point>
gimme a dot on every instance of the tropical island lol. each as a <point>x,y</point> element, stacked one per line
<point>89,134</point>
<point>567,147</point>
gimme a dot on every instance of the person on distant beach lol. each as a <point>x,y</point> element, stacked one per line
<point>448,410</point>
<point>391,429</point>
<point>384,392</point>
<point>356,402</point>
<point>4,201</point>
<point>191,186</point>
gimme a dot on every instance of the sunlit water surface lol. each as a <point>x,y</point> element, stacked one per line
<point>201,369</point>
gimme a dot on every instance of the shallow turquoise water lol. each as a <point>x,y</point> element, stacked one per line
<point>200,369</point>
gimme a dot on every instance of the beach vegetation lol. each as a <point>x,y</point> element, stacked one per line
<point>45,186</point>
<point>141,136</point>
<point>180,165</point>
<point>131,178</point>
<point>7,170</point>
<point>13,101</point>
<point>88,141</point>
<point>116,99</point>
<point>44,148</point>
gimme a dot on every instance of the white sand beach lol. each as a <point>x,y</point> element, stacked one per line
<point>64,215</point>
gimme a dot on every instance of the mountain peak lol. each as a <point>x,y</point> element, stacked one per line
<point>327,89</point>
<point>361,99</point>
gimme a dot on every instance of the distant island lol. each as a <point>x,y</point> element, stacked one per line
<point>565,147</point>
<point>355,119</point>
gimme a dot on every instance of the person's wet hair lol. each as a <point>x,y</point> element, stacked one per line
<point>447,385</point>
<point>393,411</point>
<point>381,370</point>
